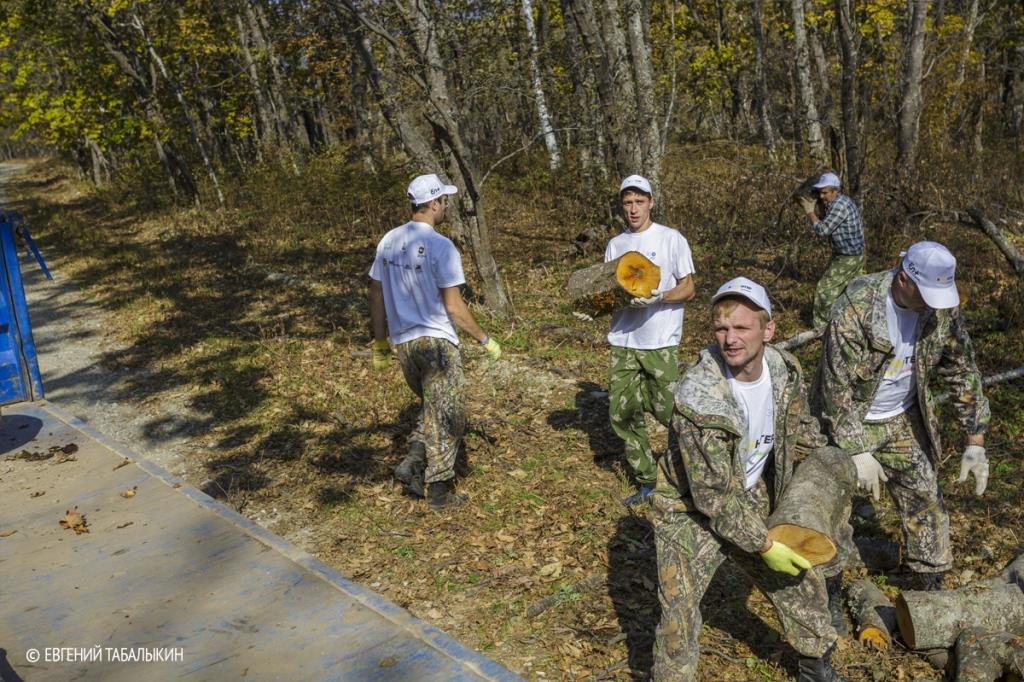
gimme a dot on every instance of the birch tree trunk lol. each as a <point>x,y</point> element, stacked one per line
<point>643,73</point>
<point>811,123</point>
<point>912,103</point>
<point>763,97</point>
<point>550,141</point>
<point>849,45</point>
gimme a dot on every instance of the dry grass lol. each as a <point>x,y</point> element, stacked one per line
<point>259,313</point>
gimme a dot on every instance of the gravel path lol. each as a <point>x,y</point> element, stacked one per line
<point>71,345</point>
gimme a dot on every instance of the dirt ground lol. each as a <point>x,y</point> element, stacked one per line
<point>250,377</point>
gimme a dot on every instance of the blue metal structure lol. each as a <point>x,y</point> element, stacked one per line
<point>19,370</point>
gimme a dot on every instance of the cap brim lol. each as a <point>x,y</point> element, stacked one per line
<point>742,295</point>
<point>940,299</point>
<point>450,189</point>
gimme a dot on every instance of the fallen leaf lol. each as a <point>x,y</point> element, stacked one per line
<point>130,492</point>
<point>7,533</point>
<point>125,462</point>
<point>38,493</point>
<point>434,614</point>
<point>553,570</point>
<point>126,524</point>
<point>518,473</point>
<point>75,521</point>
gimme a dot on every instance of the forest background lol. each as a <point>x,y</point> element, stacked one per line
<point>217,174</point>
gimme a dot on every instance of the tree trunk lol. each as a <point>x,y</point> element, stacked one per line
<point>810,122</point>
<point>982,656</point>
<point>1005,245</point>
<point>764,110</point>
<point>266,129</point>
<point>815,505</point>
<point>186,108</point>
<point>933,620</point>
<point>873,613</point>
<point>540,101</point>
<point>643,73</point>
<point>849,44</point>
<point>912,103</point>
<point>605,287</point>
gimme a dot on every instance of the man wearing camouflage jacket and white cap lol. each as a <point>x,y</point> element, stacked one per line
<point>890,333</point>
<point>742,423</point>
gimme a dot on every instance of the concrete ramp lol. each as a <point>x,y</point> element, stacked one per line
<point>169,584</point>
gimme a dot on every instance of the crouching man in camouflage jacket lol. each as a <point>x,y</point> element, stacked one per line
<point>742,422</point>
<point>889,334</point>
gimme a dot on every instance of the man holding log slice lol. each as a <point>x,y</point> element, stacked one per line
<point>843,226</point>
<point>645,335</point>
<point>415,299</point>
<point>891,332</point>
<point>742,423</point>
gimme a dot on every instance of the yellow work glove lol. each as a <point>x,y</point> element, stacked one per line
<point>781,558</point>
<point>381,355</point>
<point>491,346</point>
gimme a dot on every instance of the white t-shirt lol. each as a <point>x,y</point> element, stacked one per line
<point>413,264</point>
<point>659,325</point>
<point>898,389</point>
<point>758,405</point>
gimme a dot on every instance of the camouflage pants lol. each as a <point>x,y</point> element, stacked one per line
<point>840,271</point>
<point>433,369</point>
<point>689,553</point>
<point>639,383</point>
<point>900,446</point>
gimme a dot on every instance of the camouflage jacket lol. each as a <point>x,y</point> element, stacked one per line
<point>705,473</point>
<point>857,351</point>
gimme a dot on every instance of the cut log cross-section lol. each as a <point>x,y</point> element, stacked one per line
<point>605,287</point>
<point>873,613</point>
<point>933,620</point>
<point>814,505</point>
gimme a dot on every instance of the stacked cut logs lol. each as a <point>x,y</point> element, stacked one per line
<point>605,287</point>
<point>983,621</point>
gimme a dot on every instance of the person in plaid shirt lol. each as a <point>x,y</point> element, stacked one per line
<point>843,226</point>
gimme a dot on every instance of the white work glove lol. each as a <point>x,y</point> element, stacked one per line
<point>869,471</point>
<point>640,302</point>
<point>807,203</point>
<point>974,461</point>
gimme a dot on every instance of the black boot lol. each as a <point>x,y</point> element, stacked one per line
<point>928,582</point>
<point>819,669</point>
<point>410,472</point>
<point>835,603</point>
<point>440,496</point>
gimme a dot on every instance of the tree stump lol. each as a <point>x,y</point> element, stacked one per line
<point>931,620</point>
<point>873,613</point>
<point>605,287</point>
<point>814,505</point>
<point>982,656</point>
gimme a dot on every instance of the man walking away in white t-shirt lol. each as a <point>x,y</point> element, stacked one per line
<point>890,333</point>
<point>645,336</point>
<point>414,299</point>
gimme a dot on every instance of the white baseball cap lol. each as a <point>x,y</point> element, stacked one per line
<point>636,182</point>
<point>827,180</point>
<point>933,268</point>
<point>425,188</point>
<point>748,289</point>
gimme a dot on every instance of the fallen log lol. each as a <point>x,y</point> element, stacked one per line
<point>931,620</point>
<point>982,656</point>
<point>878,555</point>
<point>815,505</point>
<point>605,287</point>
<point>799,339</point>
<point>1008,248</point>
<point>873,613</point>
